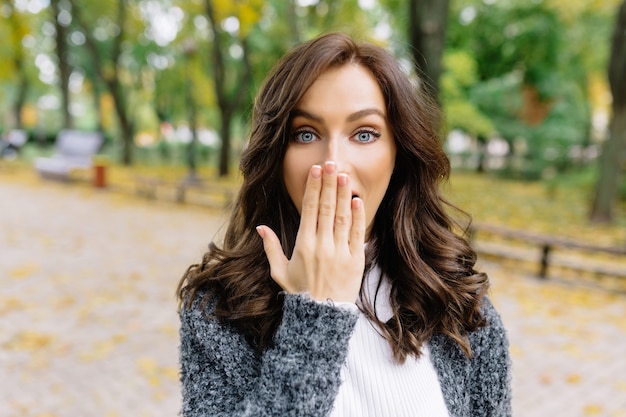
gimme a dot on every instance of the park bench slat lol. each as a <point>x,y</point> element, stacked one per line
<point>546,244</point>
<point>219,196</point>
<point>544,239</point>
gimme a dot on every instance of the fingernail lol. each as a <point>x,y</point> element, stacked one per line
<point>316,171</point>
<point>357,203</point>
<point>329,167</point>
<point>260,231</point>
<point>342,179</point>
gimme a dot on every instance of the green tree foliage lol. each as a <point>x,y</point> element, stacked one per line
<point>530,81</point>
<point>512,68</point>
<point>510,36</point>
<point>460,75</point>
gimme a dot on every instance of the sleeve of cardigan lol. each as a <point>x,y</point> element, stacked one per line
<point>491,394</point>
<point>222,375</point>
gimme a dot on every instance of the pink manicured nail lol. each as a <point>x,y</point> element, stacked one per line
<point>357,203</point>
<point>330,167</point>
<point>260,231</point>
<point>316,171</point>
<point>342,179</point>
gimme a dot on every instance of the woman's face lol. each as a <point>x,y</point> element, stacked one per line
<point>342,117</point>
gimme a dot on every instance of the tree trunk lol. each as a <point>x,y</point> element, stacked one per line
<point>614,151</point>
<point>228,101</point>
<point>427,35</point>
<point>22,80</point>
<point>112,79</point>
<point>220,90</point>
<point>22,90</point>
<point>126,125</point>
<point>192,112</point>
<point>610,171</point>
<point>97,97</point>
<point>64,68</point>
<point>225,149</point>
<point>292,21</point>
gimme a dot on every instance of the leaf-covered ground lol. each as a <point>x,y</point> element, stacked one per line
<point>548,208</point>
<point>88,323</point>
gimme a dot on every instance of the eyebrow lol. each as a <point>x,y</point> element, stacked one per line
<point>351,118</point>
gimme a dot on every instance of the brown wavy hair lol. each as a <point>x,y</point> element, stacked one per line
<point>434,287</point>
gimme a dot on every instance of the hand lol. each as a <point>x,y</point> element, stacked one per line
<point>329,254</point>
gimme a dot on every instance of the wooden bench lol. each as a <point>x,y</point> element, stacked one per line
<point>74,150</point>
<point>546,244</point>
<point>216,195</point>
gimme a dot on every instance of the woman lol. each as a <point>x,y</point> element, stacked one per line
<point>341,288</point>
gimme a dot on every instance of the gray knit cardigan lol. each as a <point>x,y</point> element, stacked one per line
<point>222,375</point>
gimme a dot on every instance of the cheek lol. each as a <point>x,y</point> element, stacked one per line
<point>295,171</point>
<point>379,177</point>
<point>378,189</point>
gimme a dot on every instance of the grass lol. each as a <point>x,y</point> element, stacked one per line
<point>560,209</point>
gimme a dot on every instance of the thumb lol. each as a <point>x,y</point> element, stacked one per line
<point>275,256</point>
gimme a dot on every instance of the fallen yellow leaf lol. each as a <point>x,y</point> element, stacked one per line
<point>573,378</point>
<point>147,366</point>
<point>28,340</point>
<point>11,304</point>
<point>39,360</point>
<point>24,271</point>
<point>171,372</point>
<point>592,409</point>
<point>103,348</point>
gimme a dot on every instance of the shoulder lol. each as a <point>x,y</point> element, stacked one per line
<point>492,337</point>
<point>490,389</point>
<point>197,310</point>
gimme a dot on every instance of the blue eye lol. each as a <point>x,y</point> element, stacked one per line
<point>304,136</point>
<point>366,136</point>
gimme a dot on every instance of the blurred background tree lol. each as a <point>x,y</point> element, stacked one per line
<point>523,84</point>
<point>17,62</point>
<point>114,35</point>
<point>427,34</point>
<point>614,154</point>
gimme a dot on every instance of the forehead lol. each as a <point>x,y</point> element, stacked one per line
<point>349,85</point>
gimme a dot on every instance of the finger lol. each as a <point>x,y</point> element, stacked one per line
<point>275,256</point>
<point>343,215</point>
<point>328,202</point>
<point>357,230</point>
<point>310,202</point>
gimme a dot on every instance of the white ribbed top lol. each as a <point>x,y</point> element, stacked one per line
<point>373,384</point>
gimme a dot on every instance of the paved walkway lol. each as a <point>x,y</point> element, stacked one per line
<point>88,324</point>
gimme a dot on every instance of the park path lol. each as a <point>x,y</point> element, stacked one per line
<point>88,324</point>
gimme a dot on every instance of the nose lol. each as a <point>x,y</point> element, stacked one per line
<point>335,152</point>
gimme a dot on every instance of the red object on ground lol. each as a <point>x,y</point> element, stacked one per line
<point>99,179</point>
